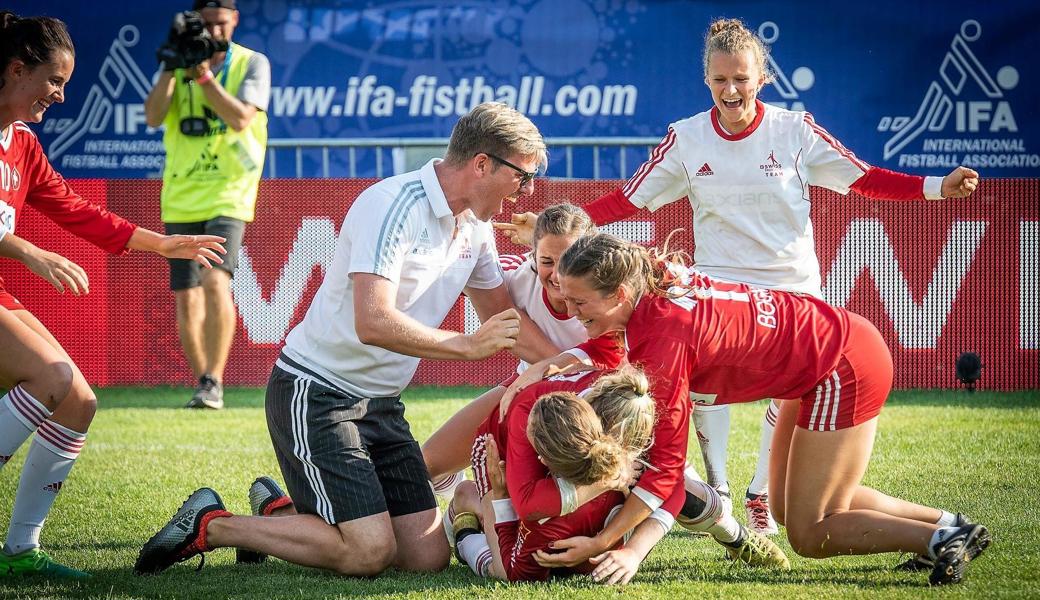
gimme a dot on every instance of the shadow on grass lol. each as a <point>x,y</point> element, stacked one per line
<point>273,579</point>
<point>279,579</point>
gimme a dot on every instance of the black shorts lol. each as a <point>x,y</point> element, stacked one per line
<point>344,457</point>
<point>186,274</point>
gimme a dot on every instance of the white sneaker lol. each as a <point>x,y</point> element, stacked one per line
<point>758,516</point>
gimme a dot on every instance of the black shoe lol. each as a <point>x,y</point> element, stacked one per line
<point>183,536</point>
<point>919,562</point>
<point>262,494</point>
<point>208,394</point>
<point>956,551</point>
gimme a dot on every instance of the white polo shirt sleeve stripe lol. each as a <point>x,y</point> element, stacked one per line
<point>389,250</point>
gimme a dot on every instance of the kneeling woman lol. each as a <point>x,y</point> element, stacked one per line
<point>569,442</point>
<point>727,343</point>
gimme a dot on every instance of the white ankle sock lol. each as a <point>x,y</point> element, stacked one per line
<point>712,424</point>
<point>941,535</point>
<point>51,456</point>
<point>947,519</point>
<point>760,482</point>
<point>475,551</point>
<point>20,415</point>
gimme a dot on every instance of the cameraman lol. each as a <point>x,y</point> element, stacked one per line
<point>212,103</point>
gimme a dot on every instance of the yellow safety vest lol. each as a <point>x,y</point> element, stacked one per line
<point>217,174</point>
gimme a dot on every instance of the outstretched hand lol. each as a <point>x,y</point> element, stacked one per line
<point>960,183</point>
<point>203,249</point>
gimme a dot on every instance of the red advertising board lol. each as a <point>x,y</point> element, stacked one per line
<point>936,278</point>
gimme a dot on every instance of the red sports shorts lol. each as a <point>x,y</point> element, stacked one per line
<point>856,389</point>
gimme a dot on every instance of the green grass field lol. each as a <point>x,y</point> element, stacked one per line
<point>979,454</point>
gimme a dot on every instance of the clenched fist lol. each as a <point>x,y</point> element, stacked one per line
<point>960,183</point>
<point>497,333</point>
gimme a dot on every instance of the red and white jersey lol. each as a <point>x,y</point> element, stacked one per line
<point>529,295</point>
<point>750,192</point>
<point>723,343</point>
<point>27,177</point>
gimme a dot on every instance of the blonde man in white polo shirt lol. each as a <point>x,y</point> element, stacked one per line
<point>360,494</point>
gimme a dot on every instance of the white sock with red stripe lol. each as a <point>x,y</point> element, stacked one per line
<point>51,455</point>
<point>474,549</point>
<point>760,482</point>
<point>712,424</point>
<point>444,487</point>
<point>20,415</point>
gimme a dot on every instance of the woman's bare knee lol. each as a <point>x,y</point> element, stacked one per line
<point>52,384</point>
<point>809,542</point>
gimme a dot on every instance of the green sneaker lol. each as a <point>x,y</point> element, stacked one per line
<point>759,551</point>
<point>36,562</point>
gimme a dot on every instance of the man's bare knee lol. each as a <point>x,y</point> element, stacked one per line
<point>365,557</point>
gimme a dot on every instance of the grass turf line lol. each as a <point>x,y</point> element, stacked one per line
<point>974,453</point>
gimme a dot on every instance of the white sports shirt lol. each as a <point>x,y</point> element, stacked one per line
<point>529,295</point>
<point>750,192</point>
<point>402,229</point>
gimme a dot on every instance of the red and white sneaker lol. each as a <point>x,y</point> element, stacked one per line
<point>758,516</point>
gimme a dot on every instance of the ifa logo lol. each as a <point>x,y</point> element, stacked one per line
<point>704,171</point>
<point>965,116</point>
<point>772,167</point>
<point>53,487</point>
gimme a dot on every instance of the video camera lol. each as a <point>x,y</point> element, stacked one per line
<point>189,42</point>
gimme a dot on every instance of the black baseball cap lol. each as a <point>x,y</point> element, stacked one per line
<point>201,4</point>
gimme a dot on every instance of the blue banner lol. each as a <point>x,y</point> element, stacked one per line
<point>904,86</point>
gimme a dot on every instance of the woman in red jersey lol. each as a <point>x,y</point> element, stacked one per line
<point>727,343</point>
<point>46,393</point>
<point>554,485</point>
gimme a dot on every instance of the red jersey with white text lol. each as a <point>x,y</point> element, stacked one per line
<point>532,488</point>
<point>723,343</point>
<point>27,178</point>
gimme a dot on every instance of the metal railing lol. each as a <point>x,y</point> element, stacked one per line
<point>599,146</point>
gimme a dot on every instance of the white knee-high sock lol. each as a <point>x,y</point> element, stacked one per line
<point>712,424</point>
<point>474,549</point>
<point>713,517</point>
<point>760,483</point>
<point>20,415</point>
<point>51,455</point>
